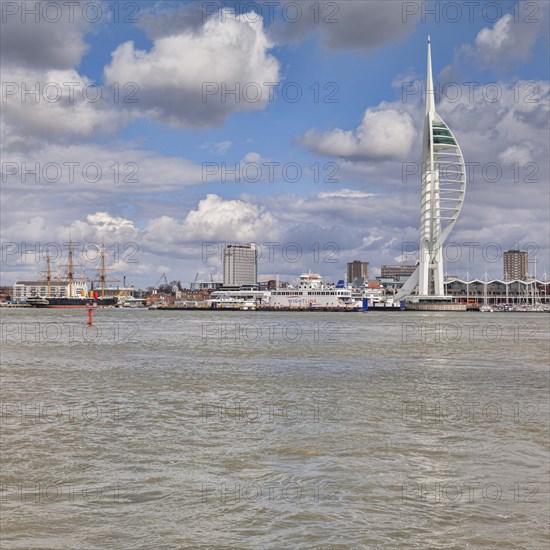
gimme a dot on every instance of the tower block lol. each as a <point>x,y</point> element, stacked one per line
<point>443,187</point>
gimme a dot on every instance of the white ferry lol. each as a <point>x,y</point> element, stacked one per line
<point>245,299</point>
<point>312,293</point>
<point>244,303</point>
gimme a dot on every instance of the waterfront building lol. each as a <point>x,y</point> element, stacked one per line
<point>515,265</point>
<point>357,270</point>
<point>393,277</point>
<point>198,286</point>
<point>39,289</point>
<point>240,265</point>
<point>396,271</point>
<point>270,285</point>
<point>498,291</point>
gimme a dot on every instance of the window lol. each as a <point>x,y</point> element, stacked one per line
<point>444,140</point>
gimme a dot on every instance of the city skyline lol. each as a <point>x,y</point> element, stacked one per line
<point>267,265</point>
<point>241,269</point>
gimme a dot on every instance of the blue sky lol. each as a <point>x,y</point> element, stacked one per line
<point>177,139</point>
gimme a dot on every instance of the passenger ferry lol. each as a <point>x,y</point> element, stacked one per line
<point>312,293</point>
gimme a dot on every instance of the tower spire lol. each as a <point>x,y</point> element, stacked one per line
<point>430,94</point>
<point>442,196</point>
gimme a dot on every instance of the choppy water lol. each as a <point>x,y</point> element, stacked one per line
<point>274,430</point>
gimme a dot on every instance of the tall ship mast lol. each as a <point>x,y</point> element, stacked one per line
<point>102,277</point>
<point>48,274</point>
<point>67,297</point>
<point>71,268</point>
<point>70,272</point>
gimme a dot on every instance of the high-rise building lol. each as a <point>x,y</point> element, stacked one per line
<point>516,265</point>
<point>357,270</point>
<point>397,271</point>
<point>240,265</point>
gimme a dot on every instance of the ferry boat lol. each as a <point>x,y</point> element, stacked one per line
<point>229,301</point>
<point>313,294</point>
<point>131,302</point>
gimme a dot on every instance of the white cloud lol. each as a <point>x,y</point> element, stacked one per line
<point>227,220</point>
<point>217,147</point>
<point>121,169</point>
<point>506,43</point>
<point>183,78</point>
<point>515,124</point>
<point>361,226</point>
<point>345,194</point>
<point>104,222</point>
<point>58,104</point>
<point>371,239</point>
<point>251,169</point>
<point>517,153</point>
<point>252,157</point>
<point>43,95</point>
<point>384,133</point>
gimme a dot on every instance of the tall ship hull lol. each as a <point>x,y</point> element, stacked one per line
<point>66,302</point>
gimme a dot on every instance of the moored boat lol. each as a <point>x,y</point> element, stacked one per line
<point>66,302</point>
<point>71,292</point>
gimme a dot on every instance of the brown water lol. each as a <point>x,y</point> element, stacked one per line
<point>287,430</point>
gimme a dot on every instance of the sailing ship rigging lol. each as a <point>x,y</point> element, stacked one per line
<point>77,294</point>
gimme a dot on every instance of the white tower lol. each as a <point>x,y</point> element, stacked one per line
<point>443,189</point>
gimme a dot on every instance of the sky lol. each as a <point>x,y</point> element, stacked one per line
<point>168,129</point>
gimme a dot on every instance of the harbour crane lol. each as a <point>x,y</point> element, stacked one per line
<point>161,279</point>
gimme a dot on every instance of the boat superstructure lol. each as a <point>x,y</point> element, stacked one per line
<point>311,292</point>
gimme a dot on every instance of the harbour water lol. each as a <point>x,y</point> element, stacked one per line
<point>264,430</point>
